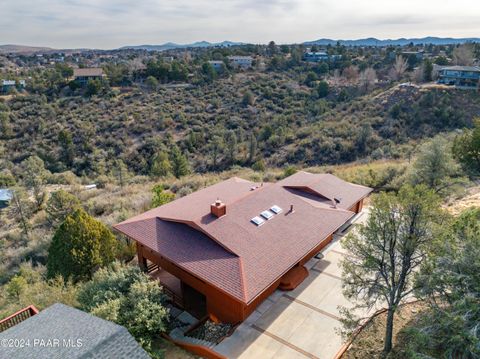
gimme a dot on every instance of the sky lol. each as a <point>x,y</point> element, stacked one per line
<point>110,24</point>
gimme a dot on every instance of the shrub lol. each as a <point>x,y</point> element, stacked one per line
<point>130,298</point>
<point>80,246</point>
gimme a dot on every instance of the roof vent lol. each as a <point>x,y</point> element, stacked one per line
<point>292,210</point>
<point>218,209</point>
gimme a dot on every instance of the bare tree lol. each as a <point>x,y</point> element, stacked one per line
<point>463,55</point>
<point>21,209</point>
<point>351,74</point>
<point>399,68</point>
<point>368,78</point>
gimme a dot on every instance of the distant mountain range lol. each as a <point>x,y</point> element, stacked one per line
<point>172,46</point>
<point>371,41</point>
<point>21,49</point>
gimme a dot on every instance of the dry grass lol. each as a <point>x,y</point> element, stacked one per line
<point>369,343</point>
<point>471,199</point>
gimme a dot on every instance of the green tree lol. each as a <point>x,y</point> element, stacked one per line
<point>450,281</point>
<point>127,296</point>
<point>387,250</point>
<point>6,129</point>
<point>80,245</point>
<point>180,165</point>
<point>435,166</point>
<point>427,70</point>
<point>209,72</point>
<point>151,82</point>
<point>160,196</point>
<point>323,89</point>
<point>248,99</point>
<point>64,70</point>
<point>466,148</point>
<point>259,166</point>
<point>161,166</point>
<point>93,87</point>
<point>67,154</point>
<point>59,206</point>
<point>34,177</point>
<point>310,78</point>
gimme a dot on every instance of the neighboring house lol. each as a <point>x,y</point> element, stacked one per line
<point>9,85</point>
<point>61,331</point>
<point>167,59</point>
<point>243,62</point>
<point>217,65</point>
<point>227,247</point>
<point>464,77</point>
<point>83,75</point>
<point>6,195</point>
<point>319,56</point>
<point>417,54</point>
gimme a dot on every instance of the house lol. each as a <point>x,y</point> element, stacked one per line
<point>417,54</point>
<point>61,331</point>
<point>6,195</point>
<point>224,249</point>
<point>243,62</point>
<point>319,56</point>
<point>463,77</point>
<point>217,65</point>
<point>9,85</point>
<point>83,75</point>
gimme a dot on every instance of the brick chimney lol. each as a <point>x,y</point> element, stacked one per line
<point>218,209</point>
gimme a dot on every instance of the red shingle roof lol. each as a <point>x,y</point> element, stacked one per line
<point>232,253</point>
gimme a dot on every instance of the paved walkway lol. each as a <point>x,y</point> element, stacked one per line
<point>298,324</point>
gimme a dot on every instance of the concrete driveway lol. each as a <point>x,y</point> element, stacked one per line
<point>298,324</point>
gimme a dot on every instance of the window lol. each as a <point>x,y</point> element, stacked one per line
<point>267,215</point>
<point>257,220</point>
<point>275,209</point>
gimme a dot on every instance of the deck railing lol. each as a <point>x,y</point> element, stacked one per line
<point>17,317</point>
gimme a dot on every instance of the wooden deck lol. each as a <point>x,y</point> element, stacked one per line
<point>17,317</point>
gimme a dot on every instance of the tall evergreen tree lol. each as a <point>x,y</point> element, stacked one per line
<point>180,165</point>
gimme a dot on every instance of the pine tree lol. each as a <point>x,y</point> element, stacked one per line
<point>180,164</point>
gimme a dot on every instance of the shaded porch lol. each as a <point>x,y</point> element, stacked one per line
<point>180,294</point>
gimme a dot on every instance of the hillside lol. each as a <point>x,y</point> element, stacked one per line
<point>284,122</point>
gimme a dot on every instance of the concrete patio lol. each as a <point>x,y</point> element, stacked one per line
<point>301,323</point>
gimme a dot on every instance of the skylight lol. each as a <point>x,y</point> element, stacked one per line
<point>257,220</point>
<point>275,209</point>
<point>267,215</point>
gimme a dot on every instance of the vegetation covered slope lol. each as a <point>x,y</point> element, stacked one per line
<point>238,120</point>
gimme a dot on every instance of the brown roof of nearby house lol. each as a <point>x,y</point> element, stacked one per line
<point>86,72</point>
<point>231,252</point>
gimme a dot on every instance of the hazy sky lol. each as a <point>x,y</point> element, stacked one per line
<point>114,23</point>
